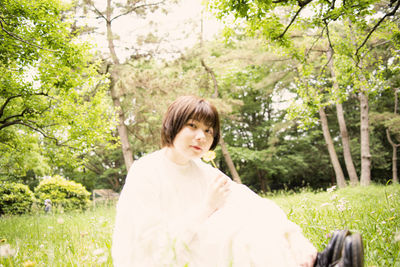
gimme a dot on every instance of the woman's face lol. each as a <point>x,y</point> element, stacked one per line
<point>193,140</point>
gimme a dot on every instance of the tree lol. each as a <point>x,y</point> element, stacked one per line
<point>351,170</point>
<point>50,93</point>
<point>392,143</point>
<point>264,18</point>
<point>225,152</point>
<point>115,10</point>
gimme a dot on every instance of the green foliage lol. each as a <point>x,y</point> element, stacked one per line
<point>63,193</point>
<point>15,198</point>
<point>53,102</point>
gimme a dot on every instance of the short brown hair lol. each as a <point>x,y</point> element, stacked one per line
<point>187,108</point>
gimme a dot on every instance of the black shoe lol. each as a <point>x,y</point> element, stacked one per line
<point>353,252</point>
<point>333,251</point>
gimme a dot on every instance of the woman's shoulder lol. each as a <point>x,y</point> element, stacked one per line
<point>145,165</point>
<point>148,159</point>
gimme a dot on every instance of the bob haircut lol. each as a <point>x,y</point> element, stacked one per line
<point>187,108</point>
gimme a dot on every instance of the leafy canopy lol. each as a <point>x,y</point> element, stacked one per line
<point>50,90</point>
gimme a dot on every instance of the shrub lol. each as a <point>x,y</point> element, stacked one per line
<point>63,193</point>
<point>15,198</point>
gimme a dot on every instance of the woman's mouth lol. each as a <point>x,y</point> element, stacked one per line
<point>197,148</point>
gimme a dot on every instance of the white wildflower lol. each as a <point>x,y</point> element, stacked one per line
<point>341,207</point>
<point>6,251</point>
<point>102,259</point>
<point>98,251</point>
<point>324,204</point>
<point>333,197</point>
<point>397,237</point>
<point>343,201</point>
<point>331,189</point>
<point>60,220</point>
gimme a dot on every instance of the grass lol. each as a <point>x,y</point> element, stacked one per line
<point>68,239</point>
<point>84,238</point>
<point>372,211</point>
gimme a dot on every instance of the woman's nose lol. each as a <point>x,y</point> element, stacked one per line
<point>200,134</point>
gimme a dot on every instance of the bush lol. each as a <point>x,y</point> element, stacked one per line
<point>63,193</point>
<point>15,198</point>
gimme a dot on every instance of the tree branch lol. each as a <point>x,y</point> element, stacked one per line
<point>6,103</point>
<point>97,11</point>
<point>390,139</point>
<point>16,37</point>
<point>211,72</point>
<point>314,43</point>
<point>293,19</point>
<point>16,96</point>
<point>330,47</point>
<point>13,117</point>
<point>376,26</point>
<point>130,10</point>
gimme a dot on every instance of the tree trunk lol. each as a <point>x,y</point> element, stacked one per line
<point>395,178</point>
<point>225,152</point>
<point>229,162</point>
<point>121,127</point>
<point>331,149</point>
<point>365,150</point>
<point>262,181</point>
<point>351,170</point>
<point>394,157</point>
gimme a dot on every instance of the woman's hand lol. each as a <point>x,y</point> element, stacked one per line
<point>217,192</point>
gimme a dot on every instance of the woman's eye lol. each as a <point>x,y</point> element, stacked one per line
<point>209,131</point>
<point>191,125</point>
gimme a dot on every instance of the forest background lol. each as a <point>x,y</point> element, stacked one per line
<point>307,90</point>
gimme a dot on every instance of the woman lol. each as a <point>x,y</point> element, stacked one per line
<point>176,210</point>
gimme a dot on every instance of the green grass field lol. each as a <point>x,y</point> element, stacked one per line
<point>84,238</point>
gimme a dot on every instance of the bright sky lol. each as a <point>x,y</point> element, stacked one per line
<point>180,28</point>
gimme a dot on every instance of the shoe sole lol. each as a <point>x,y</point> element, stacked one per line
<point>357,250</point>
<point>340,235</point>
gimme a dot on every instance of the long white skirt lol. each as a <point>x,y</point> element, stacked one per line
<point>250,231</point>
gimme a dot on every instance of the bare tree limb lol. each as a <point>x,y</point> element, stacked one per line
<point>390,139</point>
<point>132,9</point>
<point>211,72</point>
<point>97,11</point>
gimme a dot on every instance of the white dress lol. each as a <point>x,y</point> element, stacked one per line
<point>156,222</point>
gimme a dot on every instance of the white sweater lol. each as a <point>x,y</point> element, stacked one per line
<point>156,222</point>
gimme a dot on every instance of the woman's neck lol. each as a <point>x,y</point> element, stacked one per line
<point>173,155</point>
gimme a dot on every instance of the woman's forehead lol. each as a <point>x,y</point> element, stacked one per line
<point>205,122</point>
